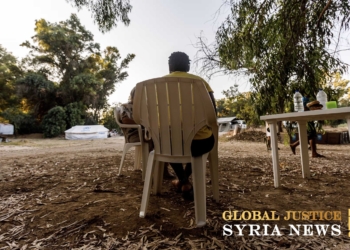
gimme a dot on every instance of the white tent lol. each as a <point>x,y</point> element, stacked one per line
<point>86,132</point>
<point>6,129</point>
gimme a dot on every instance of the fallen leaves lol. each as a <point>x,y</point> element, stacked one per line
<point>41,207</point>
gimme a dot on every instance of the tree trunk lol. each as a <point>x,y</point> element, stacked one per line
<point>281,110</point>
<point>279,127</point>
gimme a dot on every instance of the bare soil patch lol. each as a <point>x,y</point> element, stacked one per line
<point>251,135</point>
<point>60,194</point>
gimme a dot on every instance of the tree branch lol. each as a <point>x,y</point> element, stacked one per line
<point>323,11</point>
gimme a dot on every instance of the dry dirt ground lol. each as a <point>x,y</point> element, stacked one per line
<point>60,194</point>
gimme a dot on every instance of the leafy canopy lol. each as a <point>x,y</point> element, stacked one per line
<point>239,105</point>
<point>106,13</point>
<point>71,67</point>
<point>282,45</point>
<point>9,72</point>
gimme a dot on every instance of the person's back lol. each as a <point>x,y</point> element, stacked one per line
<point>203,141</point>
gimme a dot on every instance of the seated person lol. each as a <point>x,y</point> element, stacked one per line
<point>268,136</point>
<point>203,141</point>
<point>131,134</point>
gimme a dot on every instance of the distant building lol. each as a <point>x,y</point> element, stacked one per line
<point>230,123</point>
<point>225,123</point>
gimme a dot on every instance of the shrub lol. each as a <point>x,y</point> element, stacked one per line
<point>74,114</point>
<point>24,123</point>
<point>108,119</point>
<point>54,123</point>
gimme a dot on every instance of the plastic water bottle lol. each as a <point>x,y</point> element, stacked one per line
<point>298,102</point>
<point>322,98</point>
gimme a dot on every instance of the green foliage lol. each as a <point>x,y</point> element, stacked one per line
<point>39,93</point>
<point>224,107</point>
<point>282,45</point>
<point>54,123</point>
<point>239,105</point>
<point>66,52</point>
<point>9,71</point>
<point>74,114</point>
<point>23,122</point>
<point>106,13</point>
<point>108,119</point>
<point>64,68</point>
<point>337,89</point>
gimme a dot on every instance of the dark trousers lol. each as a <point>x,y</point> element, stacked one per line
<point>198,148</point>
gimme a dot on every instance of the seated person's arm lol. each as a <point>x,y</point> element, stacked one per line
<point>127,120</point>
<point>126,114</point>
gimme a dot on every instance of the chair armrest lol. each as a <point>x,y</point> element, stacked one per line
<point>137,126</point>
<point>123,125</point>
<point>130,126</point>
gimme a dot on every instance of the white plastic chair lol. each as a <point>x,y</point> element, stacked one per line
<point>141,148</point>
<point>173,110</point>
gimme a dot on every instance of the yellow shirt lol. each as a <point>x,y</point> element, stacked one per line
<point>204,132</point>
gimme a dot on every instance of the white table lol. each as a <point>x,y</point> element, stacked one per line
<point>301,118</point>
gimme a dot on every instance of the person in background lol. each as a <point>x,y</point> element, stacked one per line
<point>126,111</point>
<point>203,141</point>
<point>268,135</point>
<point>311,134</point>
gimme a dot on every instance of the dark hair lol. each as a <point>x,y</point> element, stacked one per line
<point>179,61</point>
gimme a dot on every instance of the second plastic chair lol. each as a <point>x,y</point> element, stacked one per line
<point>141,148</point>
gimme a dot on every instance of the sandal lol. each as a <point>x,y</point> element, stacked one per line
<point>188,195</point>
<point>186,187</point>
<point>318,156</point>
<point>187,192</point>
<point>167,176</point>
<point>177,185</point>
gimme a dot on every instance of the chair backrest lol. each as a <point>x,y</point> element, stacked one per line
<point>173,109</point>
<point>118,119</point>
<point>117,116</point>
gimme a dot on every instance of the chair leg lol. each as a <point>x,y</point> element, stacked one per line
<point>213,166</point>
<point>137,162</point>
<point>145,153</point>
<point>199,188</point>
<point>158,173</point>
<point>125,150</point>
<point>147,185</point>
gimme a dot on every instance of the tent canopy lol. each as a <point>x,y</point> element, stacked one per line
<point>225,119</point>
<point>6,129</point>
<point>86,132</point>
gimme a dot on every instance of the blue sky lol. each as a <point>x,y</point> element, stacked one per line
<point>157,28</point>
